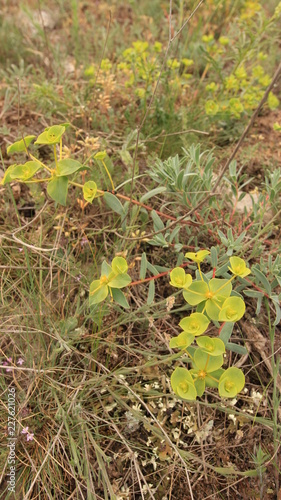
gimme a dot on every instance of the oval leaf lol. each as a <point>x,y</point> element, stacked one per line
<point>57,189</point>
<point>119,297</point>
<point>119,265</point>
<point>119,281</point>
<point>19,146</point>
<point>7,176</point>
<point>67,167</point>
<point>98,292</point>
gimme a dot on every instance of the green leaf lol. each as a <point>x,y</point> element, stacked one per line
<point>239,349</point>
<point>51,135</point>
<point>57,189</point>
<point>199,385</point>
<point>213,307</point>
<point>7,176</point>
<point>151,293</point>
<point>119,297</point>
<point>98,292</point>
<point>262,278</point>
<point>119,265</point>
<point>183,384</point>
<point>119,281</point>
<point>67,167</point>
<point>196,293</point>
<point>113,203</point>
<point>254,293</point>
<point>210,382</point>
<point>143,266</point>
<point>89,191</point>
<point>205,362</point>
<point>26,171</point>
<point>106,269</point>
<point>19,146</point>
<point>214,257</point>
<point>152,269</point>
<point>213,347</point>
<point>158,224</point>
<point>226,332</point>
<point>196,323</point>
<point>153,192</point>
<point>221,287</point>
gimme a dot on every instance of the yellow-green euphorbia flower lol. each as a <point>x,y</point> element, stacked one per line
<point>195,324</point>
<point>179,278</point>
<point>238,267</point>
<point>197,257</point>
<point>231,382</point>
<point>183,384</point>
<point>114,276</point>
<point>232,309</point>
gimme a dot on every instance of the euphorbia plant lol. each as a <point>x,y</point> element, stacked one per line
<point>112,279</point>
<point>59,174</point>
<point>214,303</point>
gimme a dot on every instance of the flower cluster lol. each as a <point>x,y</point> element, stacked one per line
<point>214,302</point>
<point>8,362</point>
<point>29,435</point>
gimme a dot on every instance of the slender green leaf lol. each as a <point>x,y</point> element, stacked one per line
<point>262,278</point>
<point>143,267</point>
<point>226,332</point>
<point>152,269</point>
<point>158,224</point>
<point>236,348</point>
<point>113,203</point>
<point>151,293</point>
<point>253,293</point>
<point>153,192</point>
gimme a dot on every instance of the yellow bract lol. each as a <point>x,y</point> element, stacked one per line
<point>239,267</point>
<point>197,257</point>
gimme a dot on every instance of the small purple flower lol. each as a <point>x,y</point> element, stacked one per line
<point>20,249</point>
<point>30,437</point>
<point>20,361</point>
<point>84,241</point>
<point>6,363</point>
<point>25,430</point>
